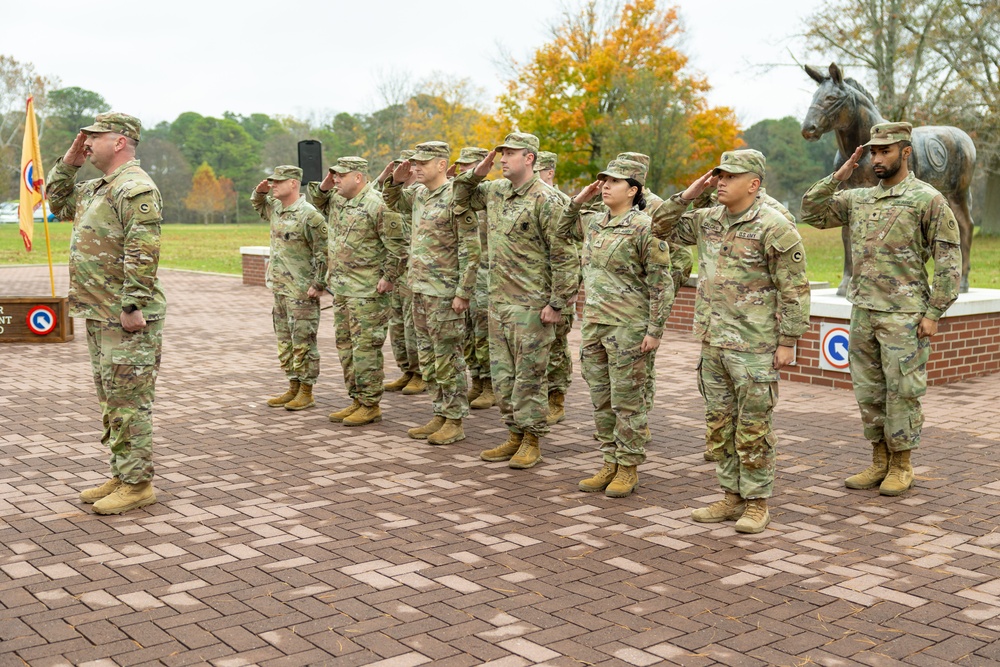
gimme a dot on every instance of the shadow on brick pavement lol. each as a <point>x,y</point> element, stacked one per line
<point>283,539</point>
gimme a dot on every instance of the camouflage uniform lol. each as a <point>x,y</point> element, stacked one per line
<point>402,335</point>
<point>753,295</point>
<point>529,268</point>
<point>560,370</point>
<point>366,244</point>
<point>894,232</point>
<point>629,294</point>
<point>477,318</point>
<point>438,273</point>
<point>114,253</point>
<point>297,262</point>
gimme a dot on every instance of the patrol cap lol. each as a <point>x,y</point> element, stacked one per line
<point>885,134</point>
<point>471,154</point>
<point>430,150</point>
<point>624,169</point>
<point>641,158</point>
<point>405,154</point>
<point>546,160</point>
<point>746,161</point>
<point>520,140</point>
<point>286,172</point>
<point>346,165</point>
<point>119,123</point>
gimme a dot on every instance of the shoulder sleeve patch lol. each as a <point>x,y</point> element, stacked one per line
<point>144,207</point>
<point>659,252</point>
<point>786,240</point>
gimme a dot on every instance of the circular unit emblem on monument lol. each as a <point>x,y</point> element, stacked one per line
<point>833,348</point>
<point>41,320</point>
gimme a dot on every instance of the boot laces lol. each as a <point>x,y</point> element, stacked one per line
<point>754,511</point>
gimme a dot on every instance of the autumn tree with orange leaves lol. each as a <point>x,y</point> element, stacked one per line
<point>206,196</point>
<point>612,79</point>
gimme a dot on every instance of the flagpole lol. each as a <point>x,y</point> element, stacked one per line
<point>48,243</point>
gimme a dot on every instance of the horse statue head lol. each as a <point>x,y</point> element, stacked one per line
<point>838,105</point>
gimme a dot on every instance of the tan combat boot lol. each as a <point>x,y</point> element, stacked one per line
<point>399,383</point>
<point>599,481</point>
<point>557,411</point>
<point>624,483</point>
<point>487,399</point>
<point>98,492</point>
<point>475,390</point>
<point>451,432</point>
<point>729,508</point>
<point>416,385</point>
<point>900,475</point>
<point>505,450</point>
<point>341,415</point>
<point>873,475</point>
<point>528,454</point>
<point>755,517</point>
<point>421,432</point>
<point>126,497</point>
<point>366,414</point>
<point>278,401</point>
<point>303,400</point>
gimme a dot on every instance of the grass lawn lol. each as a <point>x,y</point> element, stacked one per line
<point>217,248</point>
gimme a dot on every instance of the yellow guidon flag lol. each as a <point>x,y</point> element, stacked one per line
<point>32,176</point>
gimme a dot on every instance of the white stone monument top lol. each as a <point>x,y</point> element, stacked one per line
<point>256,250</point>
<point>977,301</point>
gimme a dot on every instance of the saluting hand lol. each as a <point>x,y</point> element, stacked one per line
<point>848,167</point>
<point>483,168</point>
<point>588,192</point>
<point>401,173</point>
<point>327,183</point>
<point>452,170</point>
<point>263,186</point>
<point>695,189</point>
<point>76,155</point>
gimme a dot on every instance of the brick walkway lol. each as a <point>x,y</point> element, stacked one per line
<point>283,539</point>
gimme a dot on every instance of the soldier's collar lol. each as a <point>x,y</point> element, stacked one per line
<point>896,190</point>
<point>524,187</point>
<point>623,220</point>
<point>439,189</point>
<point>113,175</point>
<point>355,201</point>
<point>294,205</point>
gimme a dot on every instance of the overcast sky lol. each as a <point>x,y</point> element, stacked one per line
<point>158,59</point>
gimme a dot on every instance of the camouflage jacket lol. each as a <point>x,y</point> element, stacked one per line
<point>710,198</point>
<point>529,265</point>
<point>298,245</point>
<point>326,203</point>
<point>626,272</point>
<point>367,243</point>
<point>893,234</point>
<point>753,293</point>
<point>444,247</point>
<point>115,247</point>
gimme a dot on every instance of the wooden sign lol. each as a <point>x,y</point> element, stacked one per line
<point>35,319</point>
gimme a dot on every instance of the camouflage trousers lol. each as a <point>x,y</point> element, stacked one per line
<point>617,374</point>
<point>125,366</point>
<point>560,370</point>
<point>889,372</point>
<point>401,333</point>
<point>519,358</point>
<point>360,324</point>
<point>296,323</point>
<point>477,337</point>
<point>740,391</point>
<point>440,335</point>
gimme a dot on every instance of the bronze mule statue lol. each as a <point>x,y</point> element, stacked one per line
<point>943,156</point>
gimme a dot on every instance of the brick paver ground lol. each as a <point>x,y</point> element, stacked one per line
<point>283,539</point>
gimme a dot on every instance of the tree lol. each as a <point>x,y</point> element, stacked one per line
<point>222,143</point>
<point>18,82</point>
<point>69,109</point>
<point>612,79</point>
<point>170,171</point>
<point>792,164</point>
<point>206,196</point>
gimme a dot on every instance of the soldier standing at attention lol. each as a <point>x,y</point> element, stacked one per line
<point>367,253</point>
<point>560,371</point>
<point>752,307</point>
<point>896,227</point>
<point>532,276</point>
<point>629,294</point>
<point>444,257</point>
<point>296,274</point>
<point>402,335</point>
<point>477,321</point>
<point>113,257</point>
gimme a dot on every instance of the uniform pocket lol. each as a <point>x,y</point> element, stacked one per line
<point>701,383</point>
<point>913,371</point>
